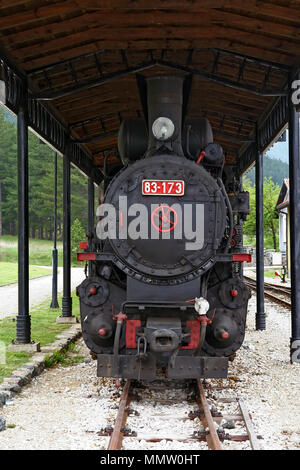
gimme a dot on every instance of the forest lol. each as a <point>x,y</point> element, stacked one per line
<point>41,185</point>
<point>273,168</point>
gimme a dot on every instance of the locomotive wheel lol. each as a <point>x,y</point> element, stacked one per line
<point>94,291</point>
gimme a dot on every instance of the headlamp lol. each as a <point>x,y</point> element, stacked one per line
<point>163,128</point>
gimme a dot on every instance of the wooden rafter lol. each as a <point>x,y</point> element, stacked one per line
<point>38,34</point>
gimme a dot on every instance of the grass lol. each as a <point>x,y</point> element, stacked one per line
<point>271,273</point>
<point>40,251</point>
<point>9,272</point>
<point>43,329</point>
<point>64,358</point>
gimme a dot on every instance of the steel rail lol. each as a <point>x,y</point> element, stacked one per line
<point>271,286</point>
<point>248,423</point>
<point>278,288</point>
<point>116,438</point>
<point>212,438</point>
<point>251,283</point>
<point>243,415</point>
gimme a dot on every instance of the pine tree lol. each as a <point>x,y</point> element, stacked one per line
<point>8,174</point>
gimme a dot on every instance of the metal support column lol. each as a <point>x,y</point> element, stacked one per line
<point>91,220</point>
<point>23,317</point>
<point>294,174</point>
<point>260,319</point>
<point>66,316</point>
<point>67,299</point>
<point>241,221</point>
<point>54,302</point>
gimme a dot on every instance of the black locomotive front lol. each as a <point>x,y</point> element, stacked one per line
<point>164,297</point>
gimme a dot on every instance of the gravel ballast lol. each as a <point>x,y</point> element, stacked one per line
<point>65,407</point>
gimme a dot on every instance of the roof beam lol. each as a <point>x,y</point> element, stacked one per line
<point>268,130</point>
<point>104,34</point>
<point>133,19</point>
<point>48,96</point>
<point>155,44</point>
<point>96,138</point>
<point>266,63</point>
<point>42,121</point>
<point>84,122</point>
<point>223,80</point>
<point>233,138</point>
<point>33,72</point>
<point>231,117</point>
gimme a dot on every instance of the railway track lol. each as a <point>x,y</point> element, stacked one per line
<point>276,293</point>
<point>212,435</point>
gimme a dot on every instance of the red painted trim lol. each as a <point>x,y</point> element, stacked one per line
<point>131,326</point>
<point>163,187</point>
<point>242,257</point>
<point>194,334</point>
<point>201,156</point>
<point>83,245</point>
<point>86,256</point>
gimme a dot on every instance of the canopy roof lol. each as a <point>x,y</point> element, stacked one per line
<point>284,195</point>
<point>81,57</point>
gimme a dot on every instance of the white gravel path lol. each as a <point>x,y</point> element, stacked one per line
<point>40,289</point>
<point>65,407</point>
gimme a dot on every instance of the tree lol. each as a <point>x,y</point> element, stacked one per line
<point>8,174</point>
<point>271,216</point>
<point>41,184</point>
<point>77,235</point>
<point>272,167</point>
<point>271,193</point>
<point>41,197</point>
<point>79,196</point>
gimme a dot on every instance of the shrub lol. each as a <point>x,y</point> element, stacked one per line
<point>77,235</point>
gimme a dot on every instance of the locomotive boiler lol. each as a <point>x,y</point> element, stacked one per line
<point>164,295</point>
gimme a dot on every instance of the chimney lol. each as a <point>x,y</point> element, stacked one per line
<point>164,103</point>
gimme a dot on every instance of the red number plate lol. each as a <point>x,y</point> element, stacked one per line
<point>163,187</point>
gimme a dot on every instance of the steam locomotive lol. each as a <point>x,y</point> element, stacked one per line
<point>164,297</point>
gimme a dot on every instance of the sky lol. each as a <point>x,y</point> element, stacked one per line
<point>280,150</point>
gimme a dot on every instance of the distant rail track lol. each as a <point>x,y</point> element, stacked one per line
<point>278,294</point>
<point>210,418</point>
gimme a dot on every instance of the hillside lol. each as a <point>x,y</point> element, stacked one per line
<point>273,168</point>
